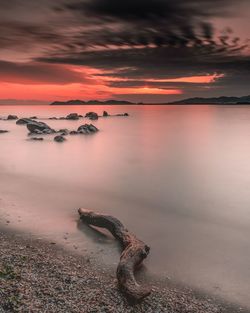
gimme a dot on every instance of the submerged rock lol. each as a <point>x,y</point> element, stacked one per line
<point>72,116</point>
<point>38,127</point>
<point>2,131</point>
<point>92,115</point>
<point>37,138</point>
<point>122,114</point>
<point>64,132</point>
<point>59,139</point>
<point>87,129</point>
<point>24,121</point>
<point>73,132</point>
<point>12,117</point>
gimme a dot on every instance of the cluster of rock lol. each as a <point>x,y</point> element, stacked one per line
<point>71,116</point>
<point>83,129</point>
<point>41,128</point>
<point>90,115</point>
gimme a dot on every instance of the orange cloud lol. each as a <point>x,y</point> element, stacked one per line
<point>202,79</point>
<point>146,90</point>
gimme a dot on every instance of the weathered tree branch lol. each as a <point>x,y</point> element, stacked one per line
<point>133,254</point>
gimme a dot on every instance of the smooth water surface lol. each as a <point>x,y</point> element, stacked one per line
<point>177,176</point>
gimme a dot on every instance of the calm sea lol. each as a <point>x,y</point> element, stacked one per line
<point>177,176</point>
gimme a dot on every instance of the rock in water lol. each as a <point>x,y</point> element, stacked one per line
<point>105,113</point>
<point>24,121</point>
<point>72,116</point>
<point>122,114</point>
<point>92,115</point>
<point>59,139</point>
<point>38,127</point>
<point>87,129</point>
<point>36,138</point>
<point>64,132</point>
<point>2,131</point>
<point>12,117</point>
<point>73,132</point>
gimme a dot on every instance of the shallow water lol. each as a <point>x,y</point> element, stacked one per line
<point>177,176</point>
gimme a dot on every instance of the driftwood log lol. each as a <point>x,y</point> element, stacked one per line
<point>133,254</point>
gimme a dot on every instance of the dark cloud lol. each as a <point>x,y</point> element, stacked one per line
<point>170,11</point>
<point>150,22</point>
<point>38,73</point>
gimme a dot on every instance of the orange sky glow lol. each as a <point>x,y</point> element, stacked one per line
<point>93,84</point>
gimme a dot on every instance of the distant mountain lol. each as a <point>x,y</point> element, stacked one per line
<point>81,102</point>
<point>219,100</point>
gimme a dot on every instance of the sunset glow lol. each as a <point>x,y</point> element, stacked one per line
<point>83,51</point>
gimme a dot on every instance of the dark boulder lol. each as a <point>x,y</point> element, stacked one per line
<point>105,113</point>
<point>38,127</point>
<point>23,121</point>
<point>87,129</point>
<point>59,139</point>
<point>2,131</point>
<point>72,116</point>
<point>12,117</point>
<point>92,115</point>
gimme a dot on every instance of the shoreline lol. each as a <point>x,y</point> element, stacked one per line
<point>39,276</point>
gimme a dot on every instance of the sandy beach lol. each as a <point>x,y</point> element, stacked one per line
<point>39,276</point>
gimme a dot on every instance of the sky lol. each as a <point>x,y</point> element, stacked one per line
<point>138,50</point>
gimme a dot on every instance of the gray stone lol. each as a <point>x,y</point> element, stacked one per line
<point>92,115</point>
<point>72,116</point>
<point>36,127</point>
<point>12,117</point>
<point>87,129</point>
<point>59,139</point>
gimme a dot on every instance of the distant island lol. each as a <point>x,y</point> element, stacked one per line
<point>197,100</point>
<point>81,102</point>
<point>218,100</point>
